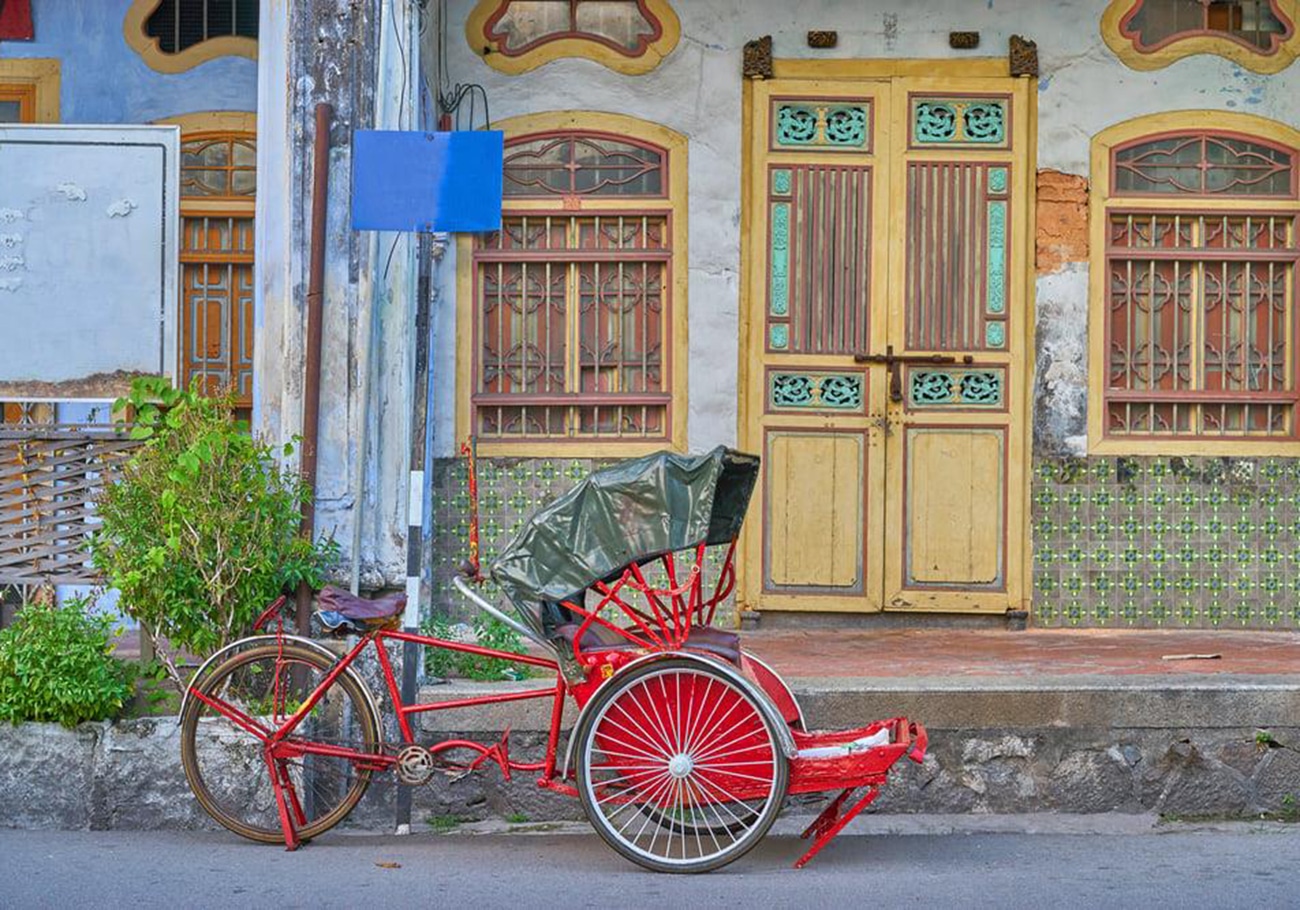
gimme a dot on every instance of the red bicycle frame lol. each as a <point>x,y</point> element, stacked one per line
<point>281,747</point>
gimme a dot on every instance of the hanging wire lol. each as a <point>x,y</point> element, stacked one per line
<point>451,98</point>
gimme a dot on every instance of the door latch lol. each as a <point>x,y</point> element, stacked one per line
<point>893,362</point>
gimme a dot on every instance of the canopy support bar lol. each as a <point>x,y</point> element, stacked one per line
<point>497,614</point>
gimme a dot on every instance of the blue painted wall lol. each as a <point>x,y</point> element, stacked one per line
<point>105,81</point>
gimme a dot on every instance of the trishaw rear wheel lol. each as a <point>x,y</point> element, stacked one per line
<point>679,768</point>
<point>225,763</point>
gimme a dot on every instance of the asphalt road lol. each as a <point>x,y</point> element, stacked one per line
<point>1241,865</point>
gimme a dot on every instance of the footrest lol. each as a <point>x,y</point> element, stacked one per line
<point>832,760</point>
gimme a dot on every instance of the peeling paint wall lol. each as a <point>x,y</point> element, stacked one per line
<point>329,51</point>
<point>1083,89</point>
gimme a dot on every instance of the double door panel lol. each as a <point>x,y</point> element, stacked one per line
<point>883,344</point>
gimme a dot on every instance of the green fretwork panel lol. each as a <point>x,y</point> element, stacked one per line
<point>779,335</point>
<point>984,122</point>
<point>997,258</point>
<point>780,259</point>
<point>822,126</point>
<point>955,388</point>
<point>846,126</point>
<point>995,334</point>
<point>793,390</point>
<point>958,121</point>
<point>796,125</point>
<point>816,391</point>
<point>997,180</point>
<point>931,388</point>
<point>781,182</point>
<point>935,122</point>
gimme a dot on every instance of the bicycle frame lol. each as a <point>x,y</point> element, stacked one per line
<point>280,746</point>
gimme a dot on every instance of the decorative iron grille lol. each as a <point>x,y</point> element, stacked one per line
<point>1204,164</point>
<point>1200,325</point>
<point>572,324</point>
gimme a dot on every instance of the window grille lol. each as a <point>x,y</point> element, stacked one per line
<point>1254,23</point>
<point>573,309</point>
<point>1200,303</point>
<point>181,24</point>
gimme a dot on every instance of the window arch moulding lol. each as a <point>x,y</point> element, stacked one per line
<point>1259,35</point>
<point>235,38</point>
<point>628,36</point>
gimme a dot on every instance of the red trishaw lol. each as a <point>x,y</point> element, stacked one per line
<point>685,745</point>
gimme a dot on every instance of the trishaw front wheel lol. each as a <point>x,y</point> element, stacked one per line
<point>679,768</point>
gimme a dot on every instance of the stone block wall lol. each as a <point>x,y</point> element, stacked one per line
<point>127,776</point>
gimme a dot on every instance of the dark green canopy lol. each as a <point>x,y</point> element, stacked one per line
<point>629,513</point>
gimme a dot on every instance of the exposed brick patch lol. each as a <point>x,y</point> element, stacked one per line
<point>1062,220</point>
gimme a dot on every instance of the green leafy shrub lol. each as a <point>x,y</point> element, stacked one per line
<point>200,532</point>
<point>56,665</point>
<point>488,633</point>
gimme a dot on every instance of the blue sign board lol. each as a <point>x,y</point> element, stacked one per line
<point>405,181</point>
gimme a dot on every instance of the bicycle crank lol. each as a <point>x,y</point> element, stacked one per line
<point>415,765</point>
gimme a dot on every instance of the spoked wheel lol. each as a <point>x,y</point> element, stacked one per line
<point>225,763</point>
<point>679,769</point>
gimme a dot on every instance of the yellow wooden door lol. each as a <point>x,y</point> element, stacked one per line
<point>883,351</point>
<point>816,218</point>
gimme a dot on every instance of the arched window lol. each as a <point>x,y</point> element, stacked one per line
<point>1194,261</point>
<point>218,195</point>
<point>578,301</point>
<point>1150,34</point>
<point>629,36</point>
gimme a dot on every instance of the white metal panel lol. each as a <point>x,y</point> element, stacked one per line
<point>89,232</point>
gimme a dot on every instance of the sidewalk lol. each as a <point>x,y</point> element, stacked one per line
<point>1029,655</point>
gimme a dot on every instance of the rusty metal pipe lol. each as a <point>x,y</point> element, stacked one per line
<point>311,382</point>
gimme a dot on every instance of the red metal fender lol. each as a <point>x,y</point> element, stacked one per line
<point>774,687</point>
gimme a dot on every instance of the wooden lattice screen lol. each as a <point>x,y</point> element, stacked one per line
<point>49,478</point>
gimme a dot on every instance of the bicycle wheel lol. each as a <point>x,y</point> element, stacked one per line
<point>225,764</point>
<point>679,769</point>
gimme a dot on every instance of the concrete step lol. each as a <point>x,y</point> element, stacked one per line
<point>1184,746</point>
<point>965,703</point>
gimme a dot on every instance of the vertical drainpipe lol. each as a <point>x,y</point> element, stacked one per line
<point>311,383</point>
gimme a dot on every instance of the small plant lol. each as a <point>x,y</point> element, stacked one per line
<point>488,633</point>
<point>200,531</point>
<point>517,818</point>
<point>56,665</point>
<point>444,823</point>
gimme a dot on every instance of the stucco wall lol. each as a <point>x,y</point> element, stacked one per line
<point>1083,88</point>
<point>105,81</point>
